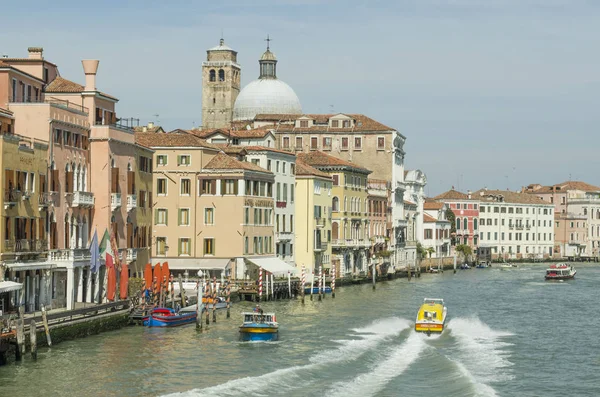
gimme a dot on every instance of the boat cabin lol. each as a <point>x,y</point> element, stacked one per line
<point>257,317</point>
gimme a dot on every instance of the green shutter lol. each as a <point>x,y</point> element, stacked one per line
<point>179,223</point>
<point>222,187</point>
<point>178,160</point>
<point>156,216</point>
<point>179,247</point>
<point>166,217</point>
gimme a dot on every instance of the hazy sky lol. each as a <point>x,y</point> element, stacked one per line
<point>489,92</point>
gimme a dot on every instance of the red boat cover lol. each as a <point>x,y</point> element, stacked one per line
<point>158,277</point>
<point>124,282</point>
<point>112,279</point>
<point>148,276</point>
<point>166,273</point>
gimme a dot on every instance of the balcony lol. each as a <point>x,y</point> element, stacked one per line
<point>321,222</point>
<point>281,204</point>
<point>338,243</point>
<point>379,240</point>
<point>25,246</point>
<point>320,246</point>
<point>11,198</point>
<point>131,201</point>
<point>132,254</point>
<point>284,236</point>
<point>519,227</point>
<point>45,200</point>
<point>115,201</point>
<point>70,255</point>
<point>80,199</point>
<point>355,243</point>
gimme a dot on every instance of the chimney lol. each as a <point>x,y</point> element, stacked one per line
<point>150,124</point>
<point>469,194</point>
<point>90,67</point>
<point>35,52</point>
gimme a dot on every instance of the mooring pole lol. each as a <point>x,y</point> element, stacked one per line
<point>333,281</point>
<point>46,328</point>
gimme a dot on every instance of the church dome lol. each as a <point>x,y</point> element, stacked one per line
<point>266,96</point>
<point>268,56</point>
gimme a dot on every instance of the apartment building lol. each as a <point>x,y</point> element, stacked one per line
<point>466,212</point>
<point>313,218</point>
<point>515,225</point>
<point>436,229</point>
<point>350,237</point>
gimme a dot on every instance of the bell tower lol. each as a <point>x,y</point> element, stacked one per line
<point>220,86</point>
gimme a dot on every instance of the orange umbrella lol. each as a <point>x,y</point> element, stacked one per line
<point>158,277</point>
<point>148,276</point>
<point>111,284</point>
<point>124,283</point>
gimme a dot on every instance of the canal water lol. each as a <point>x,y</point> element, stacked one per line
<point>510,333</point>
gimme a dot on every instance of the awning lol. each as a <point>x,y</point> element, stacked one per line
<point>7,286</point>
<point>273,265</point>
<point>20,266</point>
<point>197,264</point>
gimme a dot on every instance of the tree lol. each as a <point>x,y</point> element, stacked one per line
<point>430,250</point>
<point>452,219</point>
<point>464,249</point>
<point>421,252</point>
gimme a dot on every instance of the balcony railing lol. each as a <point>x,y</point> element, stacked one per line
<point>76,254</point>
<point>321,246</point>
<point>131,201</point>
<point>284,235</point>
<point>115,201</point>
<point>45,200</point>
<point>11,197</point>
<point>321,222</point>
<point>80,199</point>
<point>132,254</point>
<point>52,101</point>
<point>25,245</point>
<point>351,243</point>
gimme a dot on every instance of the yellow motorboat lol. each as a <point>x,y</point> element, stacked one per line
<point>432,316</point>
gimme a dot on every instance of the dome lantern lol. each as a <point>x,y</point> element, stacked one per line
<point>268,63</point>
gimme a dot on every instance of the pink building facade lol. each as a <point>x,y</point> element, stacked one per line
<point>466,213</point>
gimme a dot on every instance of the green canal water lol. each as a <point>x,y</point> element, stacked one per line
<point>510,333</point>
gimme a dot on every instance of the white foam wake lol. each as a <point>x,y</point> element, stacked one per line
<point>290,378</point>
<point>482,355</point>
<point>394,365</point>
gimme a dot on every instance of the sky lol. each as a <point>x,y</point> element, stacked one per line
<point>489,93</point>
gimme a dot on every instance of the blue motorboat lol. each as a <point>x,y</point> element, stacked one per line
<point>258,326</point>
<point>464,266</point>
<point>167,317</point>
<point>315,290</point>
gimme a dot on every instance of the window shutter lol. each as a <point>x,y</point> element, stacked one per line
<point>235,187</point>
<point>150,200</point>
<point>178,160</point>
<point>179,248</point>
<point>156,216</point>
<point>222,187</point>
<point>213,186</point>
<point>167,217</point>
<point>179,222</point>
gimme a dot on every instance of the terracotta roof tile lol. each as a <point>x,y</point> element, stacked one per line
<point>362,122</point>
<point>231,149</point>
<point>268,149</point>
<point>433,205</point>
<point>233,133</point>
<point>171,140</point>
<point>489,196</point>
<point>319,159</point>
<point>156,128</point>
<point>6,111</point>
<point>62,85</point>
<point>452,195</point>
<point>223,161</point>
<point>429,219</point>
<point>304,169</point>
<point>569,185</point>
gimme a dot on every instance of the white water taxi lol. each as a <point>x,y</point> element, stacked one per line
<point>562,271</point>
<point>432,316</point>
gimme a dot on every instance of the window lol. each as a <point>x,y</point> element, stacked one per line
<point>285,192</point>
<point>299,142</point>
<point>246,245</point>
<point>303,123</point>
<point>327,143</point>
<point>428,234</point>
<point>458,206</point>
<point>184,246</point>
<point>161,246</point>
<point>161,186</point>
<point>380,143</point>
<point>221,75</point>
<point>161,159</point>
<point>284,167</point>
<point>269,165</point>
<point>291,193</point>
<point>314,143</point>
<point>466,224</point>
<point>357,143</point>
<point>482,209</point>
<point>184,217</point>
<point>292,223</point>
<point>457,223</point>
<point>229,186</point>
<point>183,159</point>
<point>246,216</point>
<point>345,143</point>
<point>185,187</point>
<point>346,123</point>
<point>209,216</point>
<point>212,75</point>
<point>209,246</point>
<point>336,180</point>
<point>286,142</point>
<point>475,223</point>
<point>161,216</point>
<point>278,191</point>
<point>335,123</point>
<point>255,162</point>
<point>277,166</point>
<point>208,186</point>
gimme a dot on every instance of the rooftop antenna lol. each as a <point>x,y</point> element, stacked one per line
<point>331,108</point>
<point>156,115</point>
<point>268,40</point>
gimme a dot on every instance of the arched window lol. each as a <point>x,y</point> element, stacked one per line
<point>221,75</point>
<point>334,231</point>
<point>466,224</point>
<point>457,223</point>
<point>212,75</point>
<point>475,223</point>
<point>345,203</point>
<point>336,204</point>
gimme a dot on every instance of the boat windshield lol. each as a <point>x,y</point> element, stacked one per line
<point>432,301</point>
<point>258,318</point>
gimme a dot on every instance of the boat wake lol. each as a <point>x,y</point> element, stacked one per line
<point>480,354</point>
<point>372,382</point>
<point>287,379</point>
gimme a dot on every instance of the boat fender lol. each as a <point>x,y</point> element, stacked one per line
<point>274,318</point>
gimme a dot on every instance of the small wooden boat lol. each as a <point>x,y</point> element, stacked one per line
<point>562,271</point>
<point>258,326</point>
<point>464,266</point>
<point>431,316</point>
<point>507,266</point>
<point>166,317</point>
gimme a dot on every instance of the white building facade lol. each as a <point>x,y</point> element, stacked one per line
<point>283,165</point>
<point>515,225</point>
